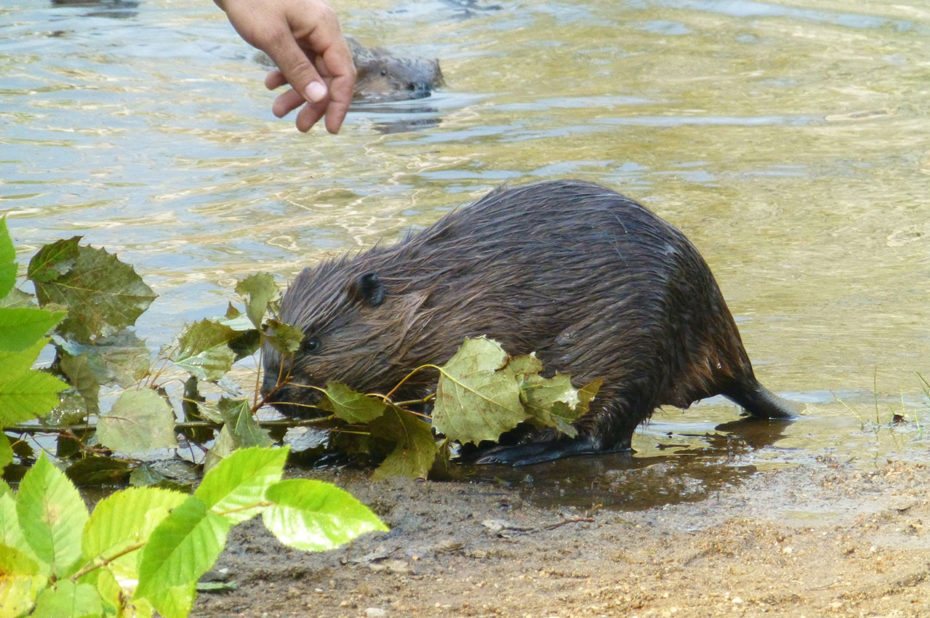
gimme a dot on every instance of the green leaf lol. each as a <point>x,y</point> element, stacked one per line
<point>116,599</point>
<point>52,516</point>
<point>6,452</point>
<point>71,409</point>
<point>121,359</point>
<point>103,295</point>
<point>65,599</point>
<point>246,343</point>
<point>244,429</point>
<point>24,450</point>
<point>19,582</point>
<point>139,421</point>
<point>54,260</point>
<point>17,363</point>
<point>553,402</point>
<point>415,449</point>
<point>124,520</point>
<point>543,392</point>
<point>28,395</point>
<point>176,601</point>
<point>526,365</point>
<point>351,406</point>
<point>97,470</point>
<point>193,408</point>
<point>181,548</point>
<point>284,338</point>
<point>21,328</point>
<point>240,481</point>
<point>177,476</point>
<point>235,319</point>
<point>17,298</point>
<point>586,394</point>
<point>478,395</point>
<point>316,516</point>
<point>203,350</point>
<point>223,447</point>
<point>83,380</point>
<point>107,588</point>
<point>11,534</point>
<point>14,561</point>
<point>249,339</point>
<point>7,260</point>
<point>258,289</point>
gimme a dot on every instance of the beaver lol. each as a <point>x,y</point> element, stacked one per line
<point>591,281</point>
<point>382,76</point>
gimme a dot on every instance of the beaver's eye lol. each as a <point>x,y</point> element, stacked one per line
<point>311,345</point>
<point>383,72</point>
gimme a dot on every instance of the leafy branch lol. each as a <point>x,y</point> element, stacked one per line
<point>142,550</point>
<point>103,393</point>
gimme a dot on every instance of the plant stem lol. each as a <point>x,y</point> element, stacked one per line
<point>34,429</point>
<point>93,566</point>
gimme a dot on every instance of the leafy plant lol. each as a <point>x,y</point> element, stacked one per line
<point>481,393</point>
<point>24,392</point>
<point>143,549</point>
<point>115,401</point>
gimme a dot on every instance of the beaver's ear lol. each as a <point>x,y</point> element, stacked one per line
<point>367,289</point>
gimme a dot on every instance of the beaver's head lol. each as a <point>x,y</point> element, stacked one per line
<point>356,331</point>
<point>388,78</point>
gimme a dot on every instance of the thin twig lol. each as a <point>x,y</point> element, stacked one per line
<point>573,520</point>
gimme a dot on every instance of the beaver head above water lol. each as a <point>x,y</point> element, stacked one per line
<point>384,76</point>
<point>593,283</point>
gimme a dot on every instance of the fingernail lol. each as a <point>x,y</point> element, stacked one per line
<point>315,92</point>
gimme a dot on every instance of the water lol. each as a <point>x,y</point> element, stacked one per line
<point>788,140</point>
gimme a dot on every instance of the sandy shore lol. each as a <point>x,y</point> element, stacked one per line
<point>813,540</point>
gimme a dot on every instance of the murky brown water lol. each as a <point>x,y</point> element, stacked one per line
<point>789,140</point>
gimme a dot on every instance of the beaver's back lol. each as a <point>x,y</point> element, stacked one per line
<point>593,282</point>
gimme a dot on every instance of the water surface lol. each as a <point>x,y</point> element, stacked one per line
<point>789,140</point>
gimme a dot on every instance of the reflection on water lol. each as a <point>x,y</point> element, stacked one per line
<point>402,116</point>
<point>684,467</point>
<point>695,455</point>
<point>117,9</point>
<point>788,139</point>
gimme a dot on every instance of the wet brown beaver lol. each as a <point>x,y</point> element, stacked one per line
<point>383,76</point>
<point>595,284</point>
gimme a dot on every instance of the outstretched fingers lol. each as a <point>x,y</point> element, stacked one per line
<point>303,38</point>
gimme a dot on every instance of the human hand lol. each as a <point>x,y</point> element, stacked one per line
<point>303,39</point>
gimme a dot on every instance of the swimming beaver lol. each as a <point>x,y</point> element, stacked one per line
<point>595,284</point>
<point>383,76</point>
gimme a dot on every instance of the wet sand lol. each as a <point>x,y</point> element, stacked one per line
<point>825,538</point>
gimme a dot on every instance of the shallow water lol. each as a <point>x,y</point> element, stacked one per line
<point>788,140</point>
